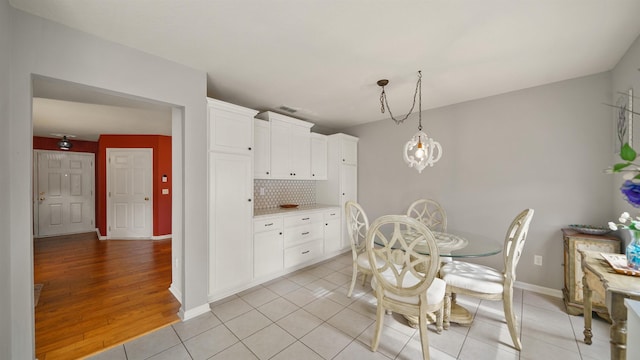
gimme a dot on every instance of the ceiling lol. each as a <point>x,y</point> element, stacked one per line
<point>323,57</point>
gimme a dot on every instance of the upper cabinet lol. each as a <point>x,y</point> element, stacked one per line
<point>262,147</point>
<point>232,130</point>
<point>318,156</point>
<point>349,150</point>
<point>290,147</point>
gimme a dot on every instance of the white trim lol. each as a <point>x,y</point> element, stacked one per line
<point>538,289</point>
<point>191,313</point>
<point>161,237</point>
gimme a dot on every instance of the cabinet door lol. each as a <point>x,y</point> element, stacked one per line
<point>262,150</point>
<point>300,152</point>
<point>230,221</point>
<point>268,253</point>
<point>230,131</point>
<point>280,167</point>
<point>332,237</point>
<point>349,151</point>
<point>318,157</point>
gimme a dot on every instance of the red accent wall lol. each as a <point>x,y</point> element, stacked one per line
<point>161,146</point>
<point>45,143</point>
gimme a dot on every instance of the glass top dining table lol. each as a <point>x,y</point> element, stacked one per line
<point>453,243</point>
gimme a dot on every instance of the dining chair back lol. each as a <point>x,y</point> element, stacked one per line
<point>429,212</point>
<point>357,226</point>
<point>407,282</point>
<point>487,283</point>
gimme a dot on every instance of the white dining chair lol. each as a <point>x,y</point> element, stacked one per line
<point>357,226</point>
<point>407,283</point>
<point>488,283</point>
<point>430,213</point>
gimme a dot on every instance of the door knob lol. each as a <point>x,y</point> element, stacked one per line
<point>146,198</point>
<point>42,198</point>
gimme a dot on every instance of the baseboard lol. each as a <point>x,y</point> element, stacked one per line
<point>161,237</point>
<point>100,237</point>
<point>538,289</point>
<point>191,313</point>
<point>176,293</point>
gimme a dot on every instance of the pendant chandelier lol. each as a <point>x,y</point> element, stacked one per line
<point>421,150</point>
<point>65,144</point>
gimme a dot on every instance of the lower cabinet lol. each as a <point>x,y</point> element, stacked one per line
<point>284,242</point>
<point>296,255</point>
<point>332,234</point>
<point>268,247</point>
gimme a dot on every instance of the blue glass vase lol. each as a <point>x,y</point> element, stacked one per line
<point>633,250</point>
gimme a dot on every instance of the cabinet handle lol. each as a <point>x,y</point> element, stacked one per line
<point>249,200</point>
<point>343,160</point>
<point>313,174</point>
<point>305,218</point>
<point>249,148</point>
<point>305,252</point>
<point>269,224</point>
<point>267,173</point>
<point>326,224</point>
<point>305,233</point>
<point>342,194</point>
<point>280,233</point>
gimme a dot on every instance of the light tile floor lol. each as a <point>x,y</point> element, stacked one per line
<point>307,315</point>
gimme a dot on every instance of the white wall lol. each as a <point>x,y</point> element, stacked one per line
<point>5,245</point>
<point>543,148</point>
<point>626,75</point>
<point>45,48</point>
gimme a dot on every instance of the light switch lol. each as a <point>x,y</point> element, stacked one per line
<point>165,191</point>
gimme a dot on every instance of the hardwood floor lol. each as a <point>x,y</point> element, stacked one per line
<point>98,294</point>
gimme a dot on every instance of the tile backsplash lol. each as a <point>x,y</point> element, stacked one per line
<point>277,192</point>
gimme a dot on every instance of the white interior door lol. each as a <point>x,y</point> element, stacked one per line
<point>64,193</point>
<point>129,193</point>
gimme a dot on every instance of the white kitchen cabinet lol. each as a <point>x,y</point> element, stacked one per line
<point>332,236</point>
<point>230,127</point>
<point>268,247</point>
<point>349,150</point>
<point>230,197</point>
<point>230,221</point>
<point>262,147</point>
<point>290,146</point>
<point>342,177</point>
<point>303,238</point>
<point>318,156</point>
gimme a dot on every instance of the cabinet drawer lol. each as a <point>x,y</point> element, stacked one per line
<point>302,219</point>
<point>270,224</point>
<point>302,233</point>
<point>332,214</point>
<point>301,253</point>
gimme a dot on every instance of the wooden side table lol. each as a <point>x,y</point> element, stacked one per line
<point>597,272</point>
<point>572,291</point>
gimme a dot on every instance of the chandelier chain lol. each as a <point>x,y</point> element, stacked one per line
<point>384,103</point>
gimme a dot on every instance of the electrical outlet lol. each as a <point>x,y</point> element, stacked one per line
<point>537,260</point>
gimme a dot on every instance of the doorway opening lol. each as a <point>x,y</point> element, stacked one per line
<point>87,112</point>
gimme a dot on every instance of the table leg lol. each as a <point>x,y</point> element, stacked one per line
<point>618,331</point>
<point>586,292</point>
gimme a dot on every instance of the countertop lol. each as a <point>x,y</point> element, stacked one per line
<point>301,209</point>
